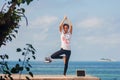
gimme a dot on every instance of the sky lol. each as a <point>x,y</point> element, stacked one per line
<point>96,29</point>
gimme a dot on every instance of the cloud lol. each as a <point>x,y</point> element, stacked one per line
<point>39,37</point>
<point>43,21</point>
<point>113,39</point>
<point>90,23</point>
<point>40,27</point>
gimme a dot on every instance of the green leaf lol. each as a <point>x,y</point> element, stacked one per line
<point>14,70</point>
<point>24,48</point>
<point>23,10</point>
<point>5,76</point>
<point>23,1</point>
<point>18,50</point>
<point>28,1</point>
<point>11,78</point>
<point>19,2</point>
<point>0,56</point>
<point>16,31</point>
<point>34,57</point>
<point>31,74</point>
<point>29,45</point>
<point>9,2</point>
<point>29,65</point>
<point>0,63</point>
<point>19,60</point>
<point>13,35</point>
<point>20,68</point>
<point>27,68</point>
<point>6,56</point>
<point>27,78</point>
<point>33,52</point>
<point>23,53</point>
<point>17,65</point>
<point>28,59</point>
<point>10,38</point>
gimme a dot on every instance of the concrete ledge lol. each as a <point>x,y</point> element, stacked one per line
<point>55,77</point>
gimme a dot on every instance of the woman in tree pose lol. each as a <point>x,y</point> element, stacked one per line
<point>65,51</point>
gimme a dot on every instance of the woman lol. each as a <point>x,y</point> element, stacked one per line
<point>66,32</point>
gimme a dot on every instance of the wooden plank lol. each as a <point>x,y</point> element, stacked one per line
<point>55,77</point>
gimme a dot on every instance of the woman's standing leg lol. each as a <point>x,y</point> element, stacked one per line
<point>67,53</point>
<point>57,55</point>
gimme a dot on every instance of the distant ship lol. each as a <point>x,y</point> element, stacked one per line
<point>106,60</point>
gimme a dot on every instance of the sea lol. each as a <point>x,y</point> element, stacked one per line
<point>103,70</point>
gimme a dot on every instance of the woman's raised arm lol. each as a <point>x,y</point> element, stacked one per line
<point>61,24</point>
<point>70,24</point>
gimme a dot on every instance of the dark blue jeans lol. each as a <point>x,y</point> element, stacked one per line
<point>58,55</point>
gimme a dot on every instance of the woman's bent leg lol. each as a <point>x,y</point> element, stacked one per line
<point>57,55</point>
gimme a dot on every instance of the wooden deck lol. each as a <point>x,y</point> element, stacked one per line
<point>56,77</point>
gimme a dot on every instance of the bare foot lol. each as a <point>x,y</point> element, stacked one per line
<point>64,74</point>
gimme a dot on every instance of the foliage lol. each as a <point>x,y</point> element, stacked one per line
<point>22,65</point>
<point>4,68</point>
<point>10,18</point>
<point>9,25</point>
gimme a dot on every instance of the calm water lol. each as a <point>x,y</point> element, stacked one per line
<point>104,70</point>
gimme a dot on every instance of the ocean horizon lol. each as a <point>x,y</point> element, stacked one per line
<point>103,70</point>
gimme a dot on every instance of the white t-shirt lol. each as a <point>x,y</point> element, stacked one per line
<point>65,41</point>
